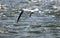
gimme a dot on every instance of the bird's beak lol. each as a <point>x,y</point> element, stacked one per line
<point>31,14</point>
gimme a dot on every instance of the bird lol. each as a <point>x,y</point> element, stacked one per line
<point>22,11</point>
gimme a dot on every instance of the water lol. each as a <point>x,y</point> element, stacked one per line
<point>45,24</point>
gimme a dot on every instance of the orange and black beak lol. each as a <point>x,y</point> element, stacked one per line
<point>31,14</point>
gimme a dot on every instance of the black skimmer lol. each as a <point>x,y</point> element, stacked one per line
<point>22,11</point>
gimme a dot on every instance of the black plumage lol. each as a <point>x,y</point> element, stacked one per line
<point>20,15</point>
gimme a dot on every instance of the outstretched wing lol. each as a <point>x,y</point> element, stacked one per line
<point>20,15</point>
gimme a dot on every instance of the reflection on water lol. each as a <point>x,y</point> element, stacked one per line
<point>42,24</point>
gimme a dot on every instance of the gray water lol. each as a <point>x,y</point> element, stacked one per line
<point>39,25</point>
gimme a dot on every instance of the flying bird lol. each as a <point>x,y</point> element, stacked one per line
<point>22,11</point>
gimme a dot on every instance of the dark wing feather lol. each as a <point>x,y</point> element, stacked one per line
<point>19,16</point>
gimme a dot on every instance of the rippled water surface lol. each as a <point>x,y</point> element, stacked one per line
<point>45,24</point>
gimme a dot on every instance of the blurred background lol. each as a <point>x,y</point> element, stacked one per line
<point>44,23</point>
